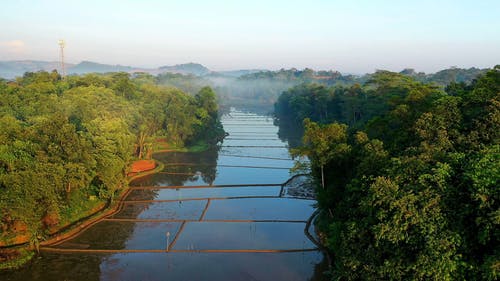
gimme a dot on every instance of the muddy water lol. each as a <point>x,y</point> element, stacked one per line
<point>222,212</point>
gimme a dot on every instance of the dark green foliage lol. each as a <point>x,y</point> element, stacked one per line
<point>209,127</point>
<point>417,194</point>
<point>66,144</point>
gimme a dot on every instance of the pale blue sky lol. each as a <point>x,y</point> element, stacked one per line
<point>349,36</point>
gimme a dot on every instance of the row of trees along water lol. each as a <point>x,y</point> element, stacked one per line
<point>259,90</point>
<point>408,175</point>
<point>66,144</point>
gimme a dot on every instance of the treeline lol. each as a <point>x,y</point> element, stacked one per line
<point>408,175</point>
<point>446,76</point>
<point>260,90</point>
<point>66,144</point>
<point>440,78</point>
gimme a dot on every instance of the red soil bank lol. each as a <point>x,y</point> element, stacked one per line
<point>142,165</point>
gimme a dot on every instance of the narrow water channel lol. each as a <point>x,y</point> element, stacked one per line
<point>216,215</point>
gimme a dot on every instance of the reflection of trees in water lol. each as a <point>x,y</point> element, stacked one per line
<point>69,266</point>
<point>321,271</point>
<point>203,164</point>
<point>57,266</point>
<point>290,132</point>
<point>209,172</point>
<point>142,194</point>
<point>117,233</point>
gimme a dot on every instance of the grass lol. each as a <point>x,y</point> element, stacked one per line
<point>80,205</point>
<point>162,146</point>
<point>7,237</point>
<point>200,146</point>
<point>22,256</point>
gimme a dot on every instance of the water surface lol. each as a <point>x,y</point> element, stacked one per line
<point>215,215</point>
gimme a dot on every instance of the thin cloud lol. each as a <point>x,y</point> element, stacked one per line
<point>13,46</point>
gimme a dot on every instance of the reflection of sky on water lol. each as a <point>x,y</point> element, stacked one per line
<point>205,168</point>
<point>256,151</point>
<point>257,142</point>
<point>243,235</point>
<point>210,266</point>
<point>185,210</point>
<point>225,175</point>
<point>260,209</point>
<point>136,235</point>
<point>187,193</point>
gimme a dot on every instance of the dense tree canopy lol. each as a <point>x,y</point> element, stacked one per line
<point>66,144</point>
<point>416,195</point>
<point>260,90</point>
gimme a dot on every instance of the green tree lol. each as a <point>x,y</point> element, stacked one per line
<point>323,144</point>
<point>416,194</point>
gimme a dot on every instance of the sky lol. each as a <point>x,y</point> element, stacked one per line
<point>348,36</point>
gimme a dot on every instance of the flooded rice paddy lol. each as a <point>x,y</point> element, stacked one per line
<point>215,215</point>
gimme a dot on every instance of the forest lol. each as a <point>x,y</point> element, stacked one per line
<point>259,90</point>
<point>408,174</point>
<point>66,144</point>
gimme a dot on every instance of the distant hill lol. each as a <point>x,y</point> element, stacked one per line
<point>88,66</point>
<point>187,68</point>
<point>12,69</point>
<point>240,72</point>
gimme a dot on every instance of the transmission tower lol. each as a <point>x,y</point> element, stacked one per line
<point>62,44</point>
